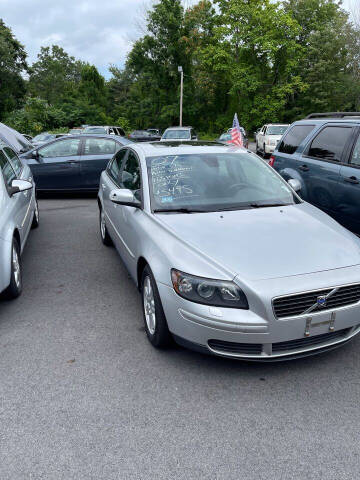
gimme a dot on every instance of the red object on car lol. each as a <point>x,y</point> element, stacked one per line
<point>272,161</point>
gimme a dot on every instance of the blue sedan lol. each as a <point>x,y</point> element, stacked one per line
<point>72,163</point>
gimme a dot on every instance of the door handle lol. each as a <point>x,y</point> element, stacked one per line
<point>103,186</point>
<point>304,168</point>
<point>351,179</point>
<point>72,162</point>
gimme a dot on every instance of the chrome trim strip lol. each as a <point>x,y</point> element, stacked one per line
<point>289,353</point>
<point>302,315</point>
<point>120,237</point>
<point>26,214</point>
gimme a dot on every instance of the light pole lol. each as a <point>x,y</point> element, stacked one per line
<point>180,70</point>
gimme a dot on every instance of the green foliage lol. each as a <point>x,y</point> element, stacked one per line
<point>267,60</point>
<point>12,66</point>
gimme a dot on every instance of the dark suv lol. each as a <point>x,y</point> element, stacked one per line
<point>323,153</point>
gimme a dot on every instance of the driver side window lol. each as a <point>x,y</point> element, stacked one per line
<point>131,175</point>
<point>7,170</point>
<point>62,148</point>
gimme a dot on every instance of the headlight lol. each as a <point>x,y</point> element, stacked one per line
<point>218,293</point>
<point>273,142</point>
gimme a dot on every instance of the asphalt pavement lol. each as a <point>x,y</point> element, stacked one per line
<point>83,395</point>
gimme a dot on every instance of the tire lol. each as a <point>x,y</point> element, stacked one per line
<point>15,287</point>
<point>264,152</point>
<point>257,149</point>
<point>104,234</point>
<point>35,221</point>
<point>156,326</point>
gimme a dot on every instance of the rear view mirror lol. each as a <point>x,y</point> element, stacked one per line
<point>18,186</point>
<point>295,184</point>
<point>123,196</point>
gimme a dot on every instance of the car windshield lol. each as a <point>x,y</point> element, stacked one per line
<point>101,130</point>
<point>142,133</point>
<point>176,134</point>
<point>225,136</point>
<point>42,137</point>
<point>75,131</point>
<point>214,181</point>
<point>276,129</point>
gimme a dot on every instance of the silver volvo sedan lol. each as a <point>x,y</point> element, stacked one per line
<point>18,214</point>
<point>228,259</point>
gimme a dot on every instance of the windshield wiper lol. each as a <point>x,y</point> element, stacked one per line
<point>178,210</point>
<point>262,205</point>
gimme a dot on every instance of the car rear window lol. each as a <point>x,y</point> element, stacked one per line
<point>294,137</point>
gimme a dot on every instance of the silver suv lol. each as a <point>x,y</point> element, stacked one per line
<point>18,214</point>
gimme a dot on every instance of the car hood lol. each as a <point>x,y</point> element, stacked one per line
<point>270,242</point>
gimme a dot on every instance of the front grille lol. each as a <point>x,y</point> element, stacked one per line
<point>309,341</point>
<point>293,305</point>
<point>232,347</point>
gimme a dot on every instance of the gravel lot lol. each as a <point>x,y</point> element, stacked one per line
<point>83,395</point>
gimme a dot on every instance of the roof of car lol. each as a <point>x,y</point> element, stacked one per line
<point>152,149</point>
<point>178,128</point>
<point>320,121</point>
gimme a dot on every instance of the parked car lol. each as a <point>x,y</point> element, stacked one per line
<point>96,130</point>
<point>323,153</point>
<point>268,137</point>
<point>14,139</point>
<point>154,131</point>
<point>45,137</point>
<point>143,136</point>
<point>226,137</point>
<point>18,214</point>
<point>73,162</point>
<point>75,131</point>
<point>28,137</point>
<point>181,134</point>
<point>190,224</point>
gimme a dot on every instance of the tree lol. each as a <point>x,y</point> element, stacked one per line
<point>256,48</point>
<point>12,66</point>
<point>329,65</point>
<point>54,75</point>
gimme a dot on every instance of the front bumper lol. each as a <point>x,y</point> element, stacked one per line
<point>246,335</point>
<point>270,148</point>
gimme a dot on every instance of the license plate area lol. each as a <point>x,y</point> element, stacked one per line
<point>312,323</point>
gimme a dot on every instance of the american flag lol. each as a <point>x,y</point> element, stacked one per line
<point>236,135</point>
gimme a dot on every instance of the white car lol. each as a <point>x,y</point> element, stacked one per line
<point>179,134</point>
<point>268,137</point>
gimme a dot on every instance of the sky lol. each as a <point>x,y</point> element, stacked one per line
<point>100,32</point>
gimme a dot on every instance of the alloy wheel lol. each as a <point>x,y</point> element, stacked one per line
<point>149,305</point>
<point>16,267</point>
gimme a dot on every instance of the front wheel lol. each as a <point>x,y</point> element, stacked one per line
<point>15,287</point>
<point>156,326</point>
<point>104,234</point>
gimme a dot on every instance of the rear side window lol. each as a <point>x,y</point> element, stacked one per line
<point>16,162</point>
<point>294,137</point>
<point>98,146</point>
<point>329,143</point>
<point>7,170</point>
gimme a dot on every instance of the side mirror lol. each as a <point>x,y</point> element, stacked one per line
<point>294,184</point>
<point>18,186</point>
<point>123,196</point>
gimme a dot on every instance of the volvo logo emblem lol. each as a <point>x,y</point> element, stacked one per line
<point>321,301</point>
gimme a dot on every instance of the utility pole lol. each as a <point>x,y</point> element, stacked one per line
<point>180,70</point>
